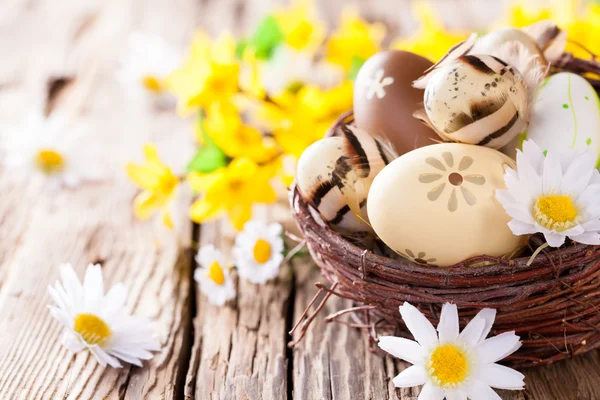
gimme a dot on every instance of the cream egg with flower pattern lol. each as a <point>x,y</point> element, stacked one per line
<point>439,201</point>
<point>213,276</point>
<point>258,251</point>
<point>98,322</point>
<point>452,364</point>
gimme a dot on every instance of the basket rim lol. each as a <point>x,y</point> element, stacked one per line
<point>501,265</point>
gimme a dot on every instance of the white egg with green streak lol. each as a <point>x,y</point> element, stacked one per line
<point>566,115</point>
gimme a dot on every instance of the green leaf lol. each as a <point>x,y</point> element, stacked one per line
<point>209,157</point>
<point>267,38</point>
<point>240,47</point>
<point>207,160</point>
<point>357,63</point>
<point>206,139</point>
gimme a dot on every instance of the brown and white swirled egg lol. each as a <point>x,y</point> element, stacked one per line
<point>334,175</point>
<point>477,99</point>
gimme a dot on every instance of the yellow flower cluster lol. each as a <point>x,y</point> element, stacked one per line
<point>250,134</point>
<point>579,18</point>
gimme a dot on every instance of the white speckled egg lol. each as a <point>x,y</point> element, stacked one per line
<point>566,115</point>
<point>477,99</point>
<point>436,205</point>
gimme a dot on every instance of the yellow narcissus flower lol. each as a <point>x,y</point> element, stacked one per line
<point>158,183</point>
<point>583,27</point>
<point>225,127</point>
<point>231,190</point>
<point>521,14</point>
<point>354,41</point>
<point>299,118</point>
<point>301,29</point>
<point>432,40</point>
<point>586,32</point>
<point>210,73</point>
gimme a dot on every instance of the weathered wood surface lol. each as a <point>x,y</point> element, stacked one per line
<point>235,352</point>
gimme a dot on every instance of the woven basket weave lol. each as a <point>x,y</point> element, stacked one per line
<point>553,303</point>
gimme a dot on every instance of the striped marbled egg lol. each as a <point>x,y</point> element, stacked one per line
<point>334,176</point>
<point>477,99</point>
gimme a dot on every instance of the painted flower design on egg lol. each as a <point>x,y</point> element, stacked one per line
<point>377,84</point>
<point>420,257</point>
<point>455,178</point>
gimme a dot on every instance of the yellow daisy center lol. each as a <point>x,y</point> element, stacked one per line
<point>152,84</point>
<point>49,161</point>
<point>448,365</point>
<point>262,251</point>
<point>215,272</point>
<point>556,212</point>
<point>92,328</point>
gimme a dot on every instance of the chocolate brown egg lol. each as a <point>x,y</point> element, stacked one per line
<point>384,100</point>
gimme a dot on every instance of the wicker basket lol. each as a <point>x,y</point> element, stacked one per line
<point>553,303</point>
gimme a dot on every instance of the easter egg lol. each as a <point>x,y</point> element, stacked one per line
<point>334,175</point>
<point>384,100</point>
<point>436,205</point>
<point>490,43</point>
<point>566,115</point>
<point>477,99</point>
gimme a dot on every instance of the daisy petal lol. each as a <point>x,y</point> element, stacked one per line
<point>498,347</point>
<point>404,349</point>
<point>93,287</point>
<point>411,376</point>
<point>471,335</point>
<point>479,390</point>
<point>578,175</point>
<point>514,209</point>
<point>552,177</point>
<point>489,316</point>
<point>554,239</point>
<point>501,377</point>
<point>455,395</point>
<point>521,228</point>
<point>592,238</point>
<point>103,358</point>
<point>593,225</point>
<point>448,326</point>
<point>71,343</point>
<point>116,296</point>
<point>420,327</point>
<point>431,392</point>
<point>534,155</point>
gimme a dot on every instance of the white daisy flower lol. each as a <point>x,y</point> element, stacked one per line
<point>556,195</point>
<point>213,276</point>
<point>42,146</point>
<point>258,251</point>
<point>450,364</point>
<point>146,62</point>
<point>98,322</point>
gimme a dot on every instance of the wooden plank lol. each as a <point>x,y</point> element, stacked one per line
<point>333,361</point>
<point>240,349</point>
<point>94,222</point>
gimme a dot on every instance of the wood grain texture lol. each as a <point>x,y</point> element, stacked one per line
<point>94,222</point>
<point>240,350</point>
<point>234,352</point>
